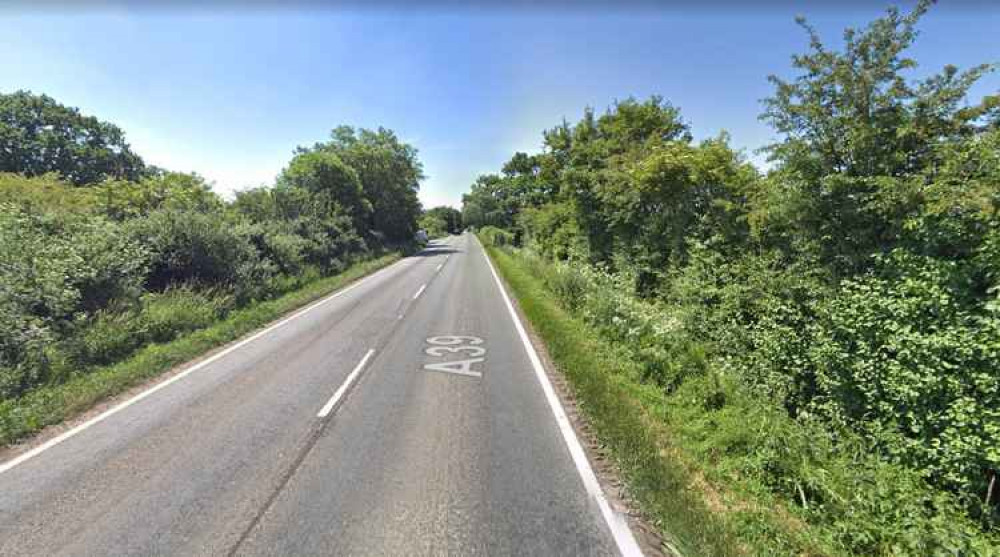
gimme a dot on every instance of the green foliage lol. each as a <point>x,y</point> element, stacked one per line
<point>278,242</point>
<point>172,191</point>
<point>801,489</point>
<point>52,268</point>
<point>51,404</point>
<point>855,112</point>
<point>553,230</point>
<point>901,360</point>
<point>449,217</point>
<point>389,172</point>
<point>324,174</point>
<point>46,193</point>
<point>434,224</point>
<point>488,204</point>
<point>627,188</point>
<point>199,248</point>
<point>493,236</point>
<point>53,265</point>
<point>854,128</point>
<point>330,242</point>
<point>179,310</point>
<point>849,298</point>
<point>39,135</point>
<point>91,275</point>
<point>294,228</point>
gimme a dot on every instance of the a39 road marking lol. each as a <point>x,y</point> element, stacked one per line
<point>463,345</point>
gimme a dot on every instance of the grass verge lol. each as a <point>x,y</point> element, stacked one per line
<point>621,411</point>
<point>54,404</point>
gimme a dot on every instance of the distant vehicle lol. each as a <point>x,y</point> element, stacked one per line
<point>422,236</point>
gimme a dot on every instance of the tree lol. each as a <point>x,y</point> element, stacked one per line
<point>39,135</point>
<point>450,218</point>
<point>389,172</point>
<point>489,203</point>
<point>434,224</point>
<point>855,112</point>
<point>163,189</point>
<point>324,174</point>
<point>855,129</point>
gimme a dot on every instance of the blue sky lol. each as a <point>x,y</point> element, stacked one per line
<point>230,94</point>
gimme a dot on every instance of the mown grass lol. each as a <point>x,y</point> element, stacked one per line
<point>52,404</point>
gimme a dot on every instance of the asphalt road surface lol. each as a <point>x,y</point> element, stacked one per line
<point>402,416</point>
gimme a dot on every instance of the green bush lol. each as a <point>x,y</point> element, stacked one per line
<point>736,419</point>
<point>331,243</point>
<point>904,362</point>
<point>55,268</point>
<point>493,236</point>
<point>23,339</point>
<point>553,230</point>
<point>46,193</point>
<point>104,338</point>
<point>115,265</point>
<point>112,334</point>
<point>276,242</point>
<point>200,248</point>
<point>79,291</point>
<point>855,502</point>
<point>55,264</point>
<point>97,262</point>
<point>169,314</point>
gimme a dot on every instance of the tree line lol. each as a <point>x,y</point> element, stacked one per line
<point>855,284</point>
<point>101,253</point>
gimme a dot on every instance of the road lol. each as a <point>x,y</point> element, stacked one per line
<point>403,416</point>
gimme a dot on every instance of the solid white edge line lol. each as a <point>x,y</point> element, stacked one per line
<point>615,521</point>
<point>328,407</point>
<point>118,408</point>
<point>419,292</point>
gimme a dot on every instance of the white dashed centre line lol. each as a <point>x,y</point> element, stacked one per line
<point>419,292</point>
<point>329,406</point>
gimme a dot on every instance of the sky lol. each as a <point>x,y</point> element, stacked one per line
<point>229,92</point>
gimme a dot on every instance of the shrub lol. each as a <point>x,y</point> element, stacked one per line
<point>115,266</point>
<point>276,242</point>
<point>858,503</point>
<point>23,339</point>
<point>904,362</point>
<point>553,230</point>
<point>330,242</point>
<point>53,265</point>
<point>200,248</point>
<point>830,476</point>
<point>494,236</point>
<point>169,314</point>
<point>162,190</point>
<point>102,339</point>
<point>45,193</point>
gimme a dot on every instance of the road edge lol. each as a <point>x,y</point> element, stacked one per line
<point>18,452</point>
<point>615,509</point>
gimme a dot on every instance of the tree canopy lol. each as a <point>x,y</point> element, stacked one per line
<point>38,135</point>
<point>389,172</point>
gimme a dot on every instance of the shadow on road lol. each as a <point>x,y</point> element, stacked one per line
<point>436,250</point>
